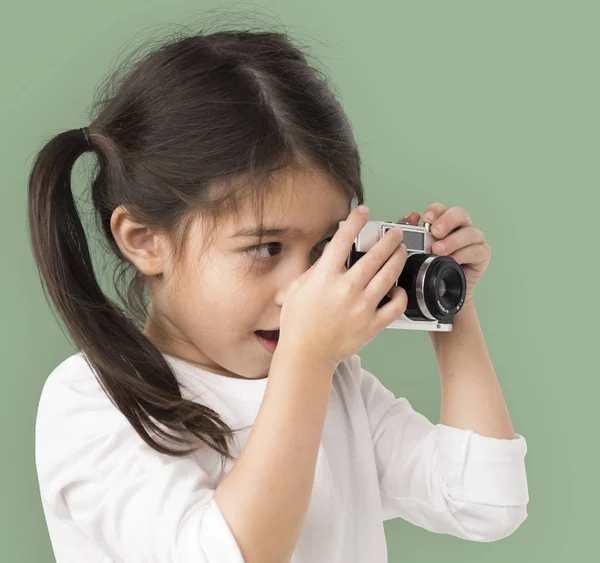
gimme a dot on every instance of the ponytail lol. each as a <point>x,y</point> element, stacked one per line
<point>198,116</point>
<point>131,370</point>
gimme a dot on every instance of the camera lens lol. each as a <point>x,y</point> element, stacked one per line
<point>435,285</point>
<point>450,288</point>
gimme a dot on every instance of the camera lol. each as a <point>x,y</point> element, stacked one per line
<point>435,285</point>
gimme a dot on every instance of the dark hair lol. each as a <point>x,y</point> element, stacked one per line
<point>197,111</point>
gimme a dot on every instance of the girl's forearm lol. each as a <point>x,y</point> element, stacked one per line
<point>471,394</point>
<point>265,496</point>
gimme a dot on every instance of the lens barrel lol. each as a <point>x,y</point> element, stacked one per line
<point>435,285</point>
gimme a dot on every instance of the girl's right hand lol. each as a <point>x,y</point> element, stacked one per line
<point>330,311</point>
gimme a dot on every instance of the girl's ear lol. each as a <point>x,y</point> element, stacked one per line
<point>141,246</point>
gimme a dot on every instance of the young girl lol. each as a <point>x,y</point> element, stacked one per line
<point>224,167</point>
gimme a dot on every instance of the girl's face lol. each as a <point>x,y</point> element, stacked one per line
<point>208,311</point>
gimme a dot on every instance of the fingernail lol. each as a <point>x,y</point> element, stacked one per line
<point>363,209</point>
<point>438,229</point>
<point>428,216</point>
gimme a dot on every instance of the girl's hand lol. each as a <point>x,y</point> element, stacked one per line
<point>330,312</point>
<point>461,240</point>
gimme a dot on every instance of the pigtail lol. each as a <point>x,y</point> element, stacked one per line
<point>199,116</point>
<point>131,370</point>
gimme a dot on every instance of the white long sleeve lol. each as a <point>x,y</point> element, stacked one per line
<point>133,503</point>
<point>444,479</point>
<point>109,497</point>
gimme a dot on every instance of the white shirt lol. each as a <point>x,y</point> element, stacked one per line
<point>108,496</point>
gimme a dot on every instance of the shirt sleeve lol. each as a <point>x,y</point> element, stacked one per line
<point>134,503</point>
<point>444,479</point>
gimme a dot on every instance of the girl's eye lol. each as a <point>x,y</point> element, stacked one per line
<point>252,249</point>
<point>255,250</point>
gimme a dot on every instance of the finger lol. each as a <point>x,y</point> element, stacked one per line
<point>432,213</point>
<point>451,219</point>
<point>385,279</point>
<point>462,237</point>
<point>412,219</point>
<point>363,271</point>
<point>392,310</point>
<point>472,254</point>
<point>336,251</point>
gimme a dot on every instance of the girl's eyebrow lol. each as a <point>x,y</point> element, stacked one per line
<point>256,231</point>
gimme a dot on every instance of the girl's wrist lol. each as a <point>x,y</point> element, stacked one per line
<point>294,353</point>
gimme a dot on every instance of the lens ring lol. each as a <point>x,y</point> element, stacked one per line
<point>435,286</point>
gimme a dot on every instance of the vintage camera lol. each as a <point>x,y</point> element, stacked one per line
<point>435,285</point>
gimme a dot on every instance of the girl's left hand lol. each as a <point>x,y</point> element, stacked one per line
<point>461,240</point>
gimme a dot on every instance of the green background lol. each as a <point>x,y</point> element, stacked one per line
<point>488,105</point>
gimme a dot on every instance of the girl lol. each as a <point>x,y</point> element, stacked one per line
<point>224,166</point>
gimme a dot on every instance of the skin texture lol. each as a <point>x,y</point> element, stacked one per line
<point>206,310</point>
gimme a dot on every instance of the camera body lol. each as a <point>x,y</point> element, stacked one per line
<point>435,285</point>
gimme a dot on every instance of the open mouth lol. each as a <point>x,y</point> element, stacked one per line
<point>272,335</point>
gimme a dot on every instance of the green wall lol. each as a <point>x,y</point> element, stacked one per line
<point>492,106</point>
